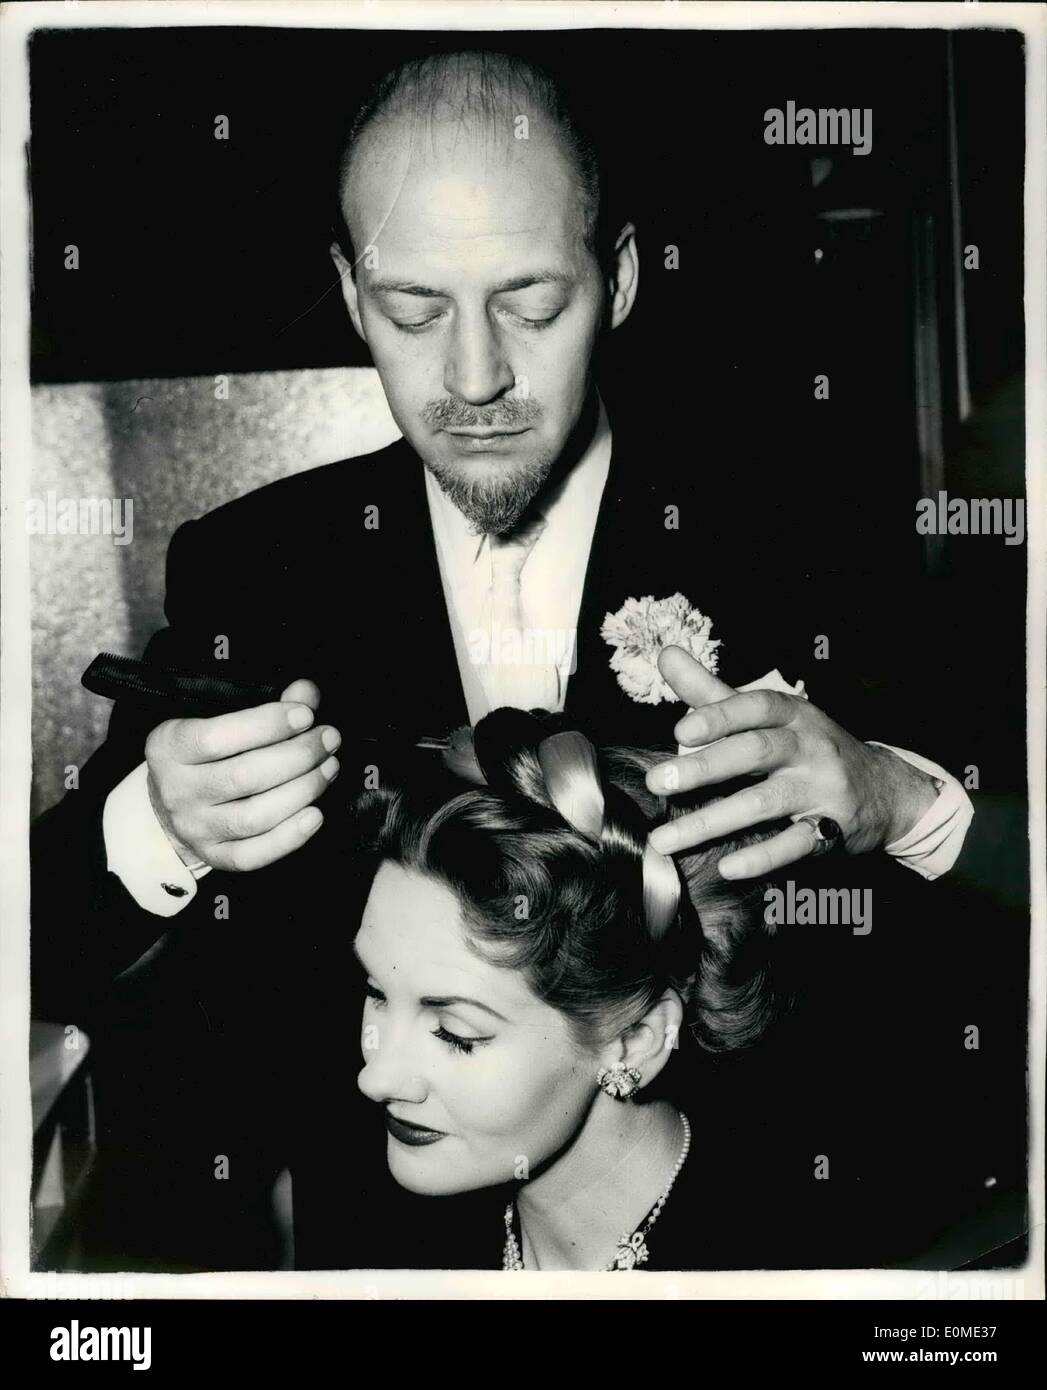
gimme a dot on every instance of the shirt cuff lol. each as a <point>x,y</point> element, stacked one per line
<point>139,852</point>
<point>933,845</point>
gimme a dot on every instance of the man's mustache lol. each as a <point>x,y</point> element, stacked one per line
<point>507,414</point>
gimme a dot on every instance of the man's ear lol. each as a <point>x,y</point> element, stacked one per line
<point>349,289</point>
<point>650,1043</point>
<point>625,275</point>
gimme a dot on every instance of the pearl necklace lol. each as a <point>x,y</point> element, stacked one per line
<point>632,1248</point>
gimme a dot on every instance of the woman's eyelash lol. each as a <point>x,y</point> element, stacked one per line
<point>465,1045</point>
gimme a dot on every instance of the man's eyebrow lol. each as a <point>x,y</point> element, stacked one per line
<point>517,282</point>
<point>381,286</point>
<point>441,1001</point>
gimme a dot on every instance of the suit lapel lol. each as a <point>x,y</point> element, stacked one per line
<point>426,618</point>
<point>418,686</point>
<point>635,553</point>
<point>630,558</point>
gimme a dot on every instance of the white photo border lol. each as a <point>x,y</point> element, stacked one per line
<point>17,23</point>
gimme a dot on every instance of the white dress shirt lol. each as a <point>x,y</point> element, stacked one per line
<point>551,584</point>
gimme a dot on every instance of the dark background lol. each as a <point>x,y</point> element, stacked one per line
<point>201,256</point>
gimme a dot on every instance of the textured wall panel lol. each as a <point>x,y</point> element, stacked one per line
<point>176,452</point>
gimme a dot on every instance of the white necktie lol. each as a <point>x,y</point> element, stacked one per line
<point>517,671</point>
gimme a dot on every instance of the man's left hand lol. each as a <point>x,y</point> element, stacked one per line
<point>808,765</point>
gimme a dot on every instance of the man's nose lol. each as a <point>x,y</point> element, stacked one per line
<point>391,1071</point>
<point>477,369</point>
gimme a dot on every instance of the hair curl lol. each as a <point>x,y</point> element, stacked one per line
<point>539,896</point>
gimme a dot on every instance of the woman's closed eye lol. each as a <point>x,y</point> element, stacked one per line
<point>459,1044</point>
<point>453,1040</point>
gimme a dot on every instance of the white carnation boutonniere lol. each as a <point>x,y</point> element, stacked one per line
<point>643,627</point>
<point>640,631</point>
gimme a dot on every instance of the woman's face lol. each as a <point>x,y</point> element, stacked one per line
<point>479,1078</point>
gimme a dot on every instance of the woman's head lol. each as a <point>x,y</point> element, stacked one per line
<point>519,937</point>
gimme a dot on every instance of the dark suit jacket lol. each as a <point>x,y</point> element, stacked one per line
<point>237,1036</point>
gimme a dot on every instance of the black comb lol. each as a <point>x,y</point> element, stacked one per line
<point>183,692</point>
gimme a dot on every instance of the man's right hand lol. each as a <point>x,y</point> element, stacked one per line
<point>237,790</point>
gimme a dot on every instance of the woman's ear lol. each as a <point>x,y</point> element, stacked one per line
<point>649,1044</point>
<point>350,292</point>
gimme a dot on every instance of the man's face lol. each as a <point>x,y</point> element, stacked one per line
<point>479,302</point>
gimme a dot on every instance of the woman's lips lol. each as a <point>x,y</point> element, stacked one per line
<point>411,1134</point>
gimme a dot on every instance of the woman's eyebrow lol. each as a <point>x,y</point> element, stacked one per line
<point>443,1001</point>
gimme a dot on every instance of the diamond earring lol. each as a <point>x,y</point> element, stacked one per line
<point>618,1081</point>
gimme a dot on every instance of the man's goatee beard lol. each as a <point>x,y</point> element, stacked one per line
<point>496,503</point>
